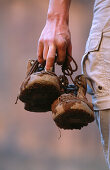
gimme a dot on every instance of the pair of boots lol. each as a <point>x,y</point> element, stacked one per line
<point>43,91</point>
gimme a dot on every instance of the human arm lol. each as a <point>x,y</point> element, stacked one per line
<point>55,37</point>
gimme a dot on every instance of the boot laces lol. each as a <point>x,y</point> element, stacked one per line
<point>67,70</point>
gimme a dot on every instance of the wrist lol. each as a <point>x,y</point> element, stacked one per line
<point>59,18</point>
<point>59,11</point>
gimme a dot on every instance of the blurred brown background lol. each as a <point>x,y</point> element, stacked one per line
<point>29,141</point>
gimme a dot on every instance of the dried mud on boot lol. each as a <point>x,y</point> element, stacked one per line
<point>39,89</point>
<point>72,110</point>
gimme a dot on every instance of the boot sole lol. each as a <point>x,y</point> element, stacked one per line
<point>72,115</point>
<point>40,92</point>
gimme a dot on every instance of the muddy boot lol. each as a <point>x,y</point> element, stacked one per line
<point>72,110</point>
<point>40,88</point>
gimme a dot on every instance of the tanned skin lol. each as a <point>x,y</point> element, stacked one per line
<point>55,37</point>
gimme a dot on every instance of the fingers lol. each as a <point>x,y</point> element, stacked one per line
<point>50,57</point>
<point>47,52</point>
<point>40,52</point>
<point>69,52</point>
<point>69,49</point>
<point>61,52</point>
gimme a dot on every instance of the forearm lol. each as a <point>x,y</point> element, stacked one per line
<point>59,10</point>
<point>55,37</point>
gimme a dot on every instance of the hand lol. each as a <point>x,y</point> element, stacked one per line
<point>55,40</point>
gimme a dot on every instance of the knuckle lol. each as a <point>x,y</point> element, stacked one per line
<point>40,41</point>
<point>51,57</point>
<point>50,60</point>
<point>52,46</point>
<point>49,40</point>
<point>40,60</point>
<point>44,55</point>
<point>60,61</point>
<point>62,45</point>
<point>39,56</point>
<point>46,40</point>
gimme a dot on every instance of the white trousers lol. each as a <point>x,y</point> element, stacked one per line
<point>103,122</point>
<point>96,60</point>
<point>96,66</point>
